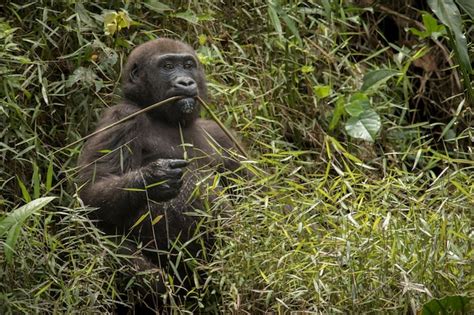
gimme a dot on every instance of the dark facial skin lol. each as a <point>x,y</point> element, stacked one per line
<point>143,170</point>
<point>178,74</point>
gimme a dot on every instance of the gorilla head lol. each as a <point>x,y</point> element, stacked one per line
<point>163,68</point>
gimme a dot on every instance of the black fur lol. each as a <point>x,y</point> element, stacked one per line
<point>148,149</point>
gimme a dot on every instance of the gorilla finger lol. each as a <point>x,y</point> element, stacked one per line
<point>175,183</point>
<point>178,163</point>
<point>174,173</point>
<point>164,186</point>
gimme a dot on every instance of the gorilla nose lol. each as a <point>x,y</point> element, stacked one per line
<point>186,84</point>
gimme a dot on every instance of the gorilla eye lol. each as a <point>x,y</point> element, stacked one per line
<point>168,66</point>
<point>188,64</point>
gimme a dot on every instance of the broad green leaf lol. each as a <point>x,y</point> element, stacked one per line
<point>12,223</point>
<point>468,6</point>
<point>447,305</point>
<point>431,25</point>
<point>108,59</point>
<point>358,104</point>
<point>448,13</point>
<point>377,76</point>
<point>84,15</point>
<point>276,12</point>
<point>418,33</point>
<point>157,6</point>
<point>322,91</point>
<point>364,126</point>
<point>21,214</point>
<point>432,28</point>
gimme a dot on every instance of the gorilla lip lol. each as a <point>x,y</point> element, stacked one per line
<point>187,105</point>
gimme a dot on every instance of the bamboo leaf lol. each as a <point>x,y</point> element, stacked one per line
<point>21,214</point>
<point>377,76</point>
<point>140,220</point>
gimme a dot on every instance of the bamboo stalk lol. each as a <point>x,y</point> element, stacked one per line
<point>226,131</point>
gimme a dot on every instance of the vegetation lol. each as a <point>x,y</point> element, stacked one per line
<point>358,119</point>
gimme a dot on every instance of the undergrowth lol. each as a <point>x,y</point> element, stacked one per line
<point>332,222</point>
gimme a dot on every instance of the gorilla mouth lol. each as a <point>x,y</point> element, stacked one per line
<point>186,105</point>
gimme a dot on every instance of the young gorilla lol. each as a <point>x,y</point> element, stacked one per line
<point>138,167</point>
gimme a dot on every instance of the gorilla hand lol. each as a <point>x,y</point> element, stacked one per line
<point>163,178</point>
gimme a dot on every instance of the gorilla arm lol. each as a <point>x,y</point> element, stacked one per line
<point>111,171</point>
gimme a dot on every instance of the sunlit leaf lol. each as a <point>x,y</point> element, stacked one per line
<point>140,220</point>
<point>114,22</point>
<point>156,219</point>
<point>307,69</point>
<point>358,104</point>
<point>21,214</point>
<point>365,126</point>
<point>322,91</point>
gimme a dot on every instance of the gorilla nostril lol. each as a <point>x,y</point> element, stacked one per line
<point>185,82</point>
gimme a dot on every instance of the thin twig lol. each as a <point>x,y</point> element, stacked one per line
<point>226,131</point>
<point>141,111</point>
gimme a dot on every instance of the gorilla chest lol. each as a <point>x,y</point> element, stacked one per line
<point>191,144</point>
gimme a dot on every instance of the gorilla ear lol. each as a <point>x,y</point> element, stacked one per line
<point>134,73</point>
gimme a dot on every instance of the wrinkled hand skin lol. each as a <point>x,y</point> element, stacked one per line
<point>163,178</point>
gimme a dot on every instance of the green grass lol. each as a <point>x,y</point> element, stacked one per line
<point>329,223</point>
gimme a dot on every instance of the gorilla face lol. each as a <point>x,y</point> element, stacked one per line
<point>173,75</point>
<point>160,71</point>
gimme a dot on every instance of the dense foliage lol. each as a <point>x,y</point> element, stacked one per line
<point>357,115</point>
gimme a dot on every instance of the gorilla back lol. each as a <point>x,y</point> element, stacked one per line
<point>148,166</point>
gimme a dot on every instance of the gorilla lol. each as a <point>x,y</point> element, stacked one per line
<point>144,175</point>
